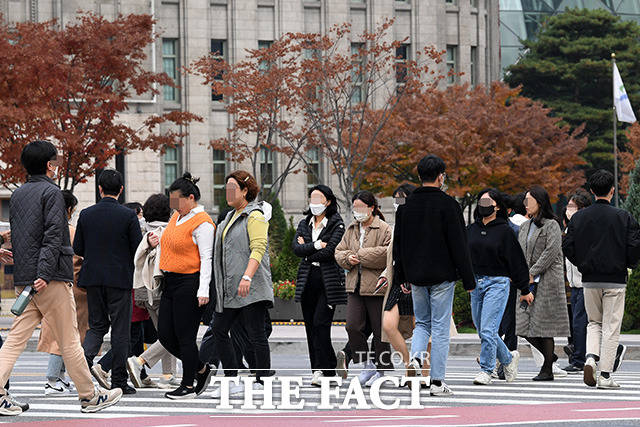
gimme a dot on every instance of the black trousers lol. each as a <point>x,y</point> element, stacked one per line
<point>109,308</point>
<point>318,316</point>
<point>136,348</point>
<point>179,320</point>
<point>507,327</point>
<point>239,341</point>
<point>252,318</point>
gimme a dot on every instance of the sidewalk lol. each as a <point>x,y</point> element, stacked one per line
<point>291,339</point>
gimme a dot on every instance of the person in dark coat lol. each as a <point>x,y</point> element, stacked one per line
<point>320,284</point>
<point>107,236</point>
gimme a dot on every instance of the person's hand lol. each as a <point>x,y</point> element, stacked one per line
<point>353,260</point>
<point>6,256</point>
<point>406,288</point>
<point>531,279</point>
<point>153,240</point>
<point>6,236</point>
<point>300,240</point>
<point>382,283</point>
<point>39,285</point>
<point>528,298</point>
<point>202,301</point>
<point>323,244</point>
<point>243,289</point>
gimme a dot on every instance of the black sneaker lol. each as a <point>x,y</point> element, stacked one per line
<point>181,392</point>
<point>572,369</point>
<point>620,352</point>
<point>126,389</point>
<point>568,350</point>
<point>202,380</point>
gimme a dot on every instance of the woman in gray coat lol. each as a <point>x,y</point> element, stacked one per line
<point>542,314</point>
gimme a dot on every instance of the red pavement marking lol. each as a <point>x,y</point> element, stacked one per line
<point>462,415</point>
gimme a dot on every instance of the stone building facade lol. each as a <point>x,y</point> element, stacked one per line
<point>189,29</point>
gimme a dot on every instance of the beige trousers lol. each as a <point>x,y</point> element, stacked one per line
<point>605,309</point>
<point>57,304</point>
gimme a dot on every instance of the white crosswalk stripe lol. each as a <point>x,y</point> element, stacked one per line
<point>28,385</point>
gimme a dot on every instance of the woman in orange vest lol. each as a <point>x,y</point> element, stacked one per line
<point>185,260</point>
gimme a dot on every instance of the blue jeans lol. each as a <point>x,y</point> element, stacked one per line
<point>580,323</point>
<point>432,306</point>
<point>488,301</point>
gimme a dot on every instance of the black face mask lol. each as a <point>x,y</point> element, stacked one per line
<point>485,211</point>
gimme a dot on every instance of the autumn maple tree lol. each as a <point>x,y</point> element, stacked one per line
<point>70,84</point>
<point>488,137</point>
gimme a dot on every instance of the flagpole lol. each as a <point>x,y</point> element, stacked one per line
<point>615,133</point>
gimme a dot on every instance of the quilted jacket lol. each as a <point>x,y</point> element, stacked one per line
<point>40,233</point>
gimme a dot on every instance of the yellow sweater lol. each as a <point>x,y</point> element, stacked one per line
<point>258,230</point>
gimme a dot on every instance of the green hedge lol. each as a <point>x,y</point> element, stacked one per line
<point>462,307</point>
<point>631,319</point>
<point>284,266</point>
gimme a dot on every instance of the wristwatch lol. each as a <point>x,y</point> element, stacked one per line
<point>247,278</point>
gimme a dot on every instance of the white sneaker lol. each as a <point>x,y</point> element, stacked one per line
<point>257,386</point>
<point>134,367</point>
<point>66,383</point>
<point>558,371</point>
<point>57,389</point>
<point>149,383</point>
<point>511,370</point>
<point>10,407</point>
<point>483,378</point>
<point>494,374</point>
<point>589,372</point>
<point>367,372</point>
<point>315,380</point>
<point>170,382</point>
<point>442,390</point>
<point>101,399</point>
<point>607,383</point>
<point>373,379</point>
<point>234,390</point>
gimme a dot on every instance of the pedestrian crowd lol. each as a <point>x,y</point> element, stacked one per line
<point>151,274</point>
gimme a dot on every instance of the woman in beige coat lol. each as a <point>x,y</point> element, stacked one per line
<point>363,253</point>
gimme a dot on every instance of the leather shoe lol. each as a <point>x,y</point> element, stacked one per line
<point>126,389</point>
<point>543,377</point>
<point>572,369</point>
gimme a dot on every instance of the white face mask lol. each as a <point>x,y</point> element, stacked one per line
<point>361,217</point>
<point>55,173</point>
<point>317,208</point>
<point>396,206</point>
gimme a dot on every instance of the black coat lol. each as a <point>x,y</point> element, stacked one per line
<point>40,233</point>
<point>332,275</point>
<point>430,241</point>
<point>107,236</point>
<point>602,241</point>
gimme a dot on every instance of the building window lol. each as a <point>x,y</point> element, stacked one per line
<point>264,44</point>
<point>219,174</point>
<point>219,52</point>
<point>266,169</point>
<point>451,1</point>
<point>170,67</point>
<point>357,73</point>
<point>313,167</point>
<point>4,210</point>
<point>452,64</point>
<point>474,3</point>
<point>171,162</point>
<point>474,66</point>
<point>402,56</point>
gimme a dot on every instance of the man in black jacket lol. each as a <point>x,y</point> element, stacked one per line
<point>430,252</point>
<point>107,237</point>
<point>43,260</point>
<point>603,242</point>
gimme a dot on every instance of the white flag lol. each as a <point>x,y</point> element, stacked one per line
<point>620,99</point>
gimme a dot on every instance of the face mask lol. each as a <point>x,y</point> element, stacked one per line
<point>571,212</point>
<point>485,211</point>
<point>396,206</point>
<point>317,208</point>
<point>360,217</point>
<point>55,173</point>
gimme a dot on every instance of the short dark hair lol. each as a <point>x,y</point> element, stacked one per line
<point>544,205</point>
<point>70,201</point>
<point>156,208</point>
<point>111,182</point>
<point>516,204</point>
<point>405,189</point>
<point>328,193</point>
<point>498,197</point>
<point>245,180</point>
<point>601,182</point>
<point>430,167</point>
<point>134,206</point>
<point>35,156</point>
<point>581,198</point>
<point>187,185</point>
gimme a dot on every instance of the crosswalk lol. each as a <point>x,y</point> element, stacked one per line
<point>28,385</point>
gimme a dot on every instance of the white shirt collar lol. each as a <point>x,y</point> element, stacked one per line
<point>323,223</point>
